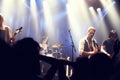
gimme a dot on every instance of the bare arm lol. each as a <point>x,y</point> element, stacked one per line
<point>82,51</point>
<point>104,51</point>
<point>11,37</point>
<point>90,52</point>
<point>10,33</point>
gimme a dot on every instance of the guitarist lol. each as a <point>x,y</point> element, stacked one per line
<point>108,45</point>
<point>12,40</point>
<point>88,45</point>
<point>5,31</point>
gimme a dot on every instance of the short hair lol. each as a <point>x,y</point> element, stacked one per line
<point>112,33</point>
<point>91,28</point>
<point>1,16</point>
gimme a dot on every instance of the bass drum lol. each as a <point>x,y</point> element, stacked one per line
<point>57,55</point>
<point>49,55</point>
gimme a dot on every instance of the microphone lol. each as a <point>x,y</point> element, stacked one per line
<point>18,30</point>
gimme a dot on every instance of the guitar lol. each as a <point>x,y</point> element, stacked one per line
<point>12,40</point>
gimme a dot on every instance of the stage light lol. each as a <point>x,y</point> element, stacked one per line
<point>98,9</point>
<point>111,12</point>
<point>78,14</point>
<point>90,8</point>
<point>49,21</point>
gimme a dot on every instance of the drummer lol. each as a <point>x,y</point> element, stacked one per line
<point>44,45</point>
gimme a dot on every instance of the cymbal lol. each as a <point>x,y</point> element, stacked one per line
<point>57,45</point>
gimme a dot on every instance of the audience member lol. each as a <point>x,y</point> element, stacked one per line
<point>22,62</point>
<point>5,61</point>
<point>101,67</point>
<point>26,55</point>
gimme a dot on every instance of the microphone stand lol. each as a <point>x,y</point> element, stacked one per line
<point>73,46</point>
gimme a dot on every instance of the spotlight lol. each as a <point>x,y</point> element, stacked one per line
<point>90,8</point>
<point>98,9</point>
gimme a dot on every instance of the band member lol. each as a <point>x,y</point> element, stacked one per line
<point>5,31</point>
<point>108,45</point>
<point>88,45</point>
<point>44,45</point>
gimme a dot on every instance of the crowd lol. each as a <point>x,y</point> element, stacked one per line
<point>21,61</point>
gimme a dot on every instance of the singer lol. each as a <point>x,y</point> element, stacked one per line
<point>88,45</point>
<point>5,31</point>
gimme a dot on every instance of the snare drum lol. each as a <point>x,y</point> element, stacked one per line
<point>49,53</point>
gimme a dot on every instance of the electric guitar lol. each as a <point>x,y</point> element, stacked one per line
<point>12,40</point>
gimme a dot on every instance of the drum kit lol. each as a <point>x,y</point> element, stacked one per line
<point>54,51</point>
